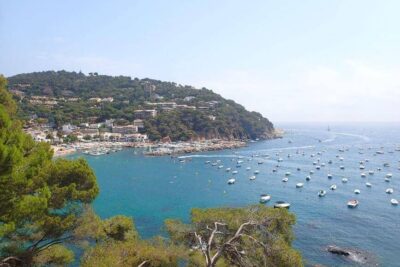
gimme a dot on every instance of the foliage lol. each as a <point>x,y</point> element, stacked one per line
<point>251,236</point>
<point>41,200</point>
<point>214,116</point>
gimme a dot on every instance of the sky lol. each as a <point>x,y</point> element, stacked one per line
<point>292,61</point>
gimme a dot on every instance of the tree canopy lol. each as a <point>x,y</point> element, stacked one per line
<point>41,199</point>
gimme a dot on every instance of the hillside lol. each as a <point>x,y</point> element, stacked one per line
<point>181,112</point>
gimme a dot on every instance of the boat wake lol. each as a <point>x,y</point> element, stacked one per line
<point>362,137</point>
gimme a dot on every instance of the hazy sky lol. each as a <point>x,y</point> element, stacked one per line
<point>290,60</point>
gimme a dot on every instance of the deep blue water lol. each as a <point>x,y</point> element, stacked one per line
<point>151,189</point>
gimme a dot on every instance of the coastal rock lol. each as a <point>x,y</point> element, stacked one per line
<point>338,251</point>
<point>356,256</point>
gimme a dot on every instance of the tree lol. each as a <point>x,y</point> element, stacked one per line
<point>41,199</point>
<point>251,236</point>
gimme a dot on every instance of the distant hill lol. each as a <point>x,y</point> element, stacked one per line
<point>183,112</point>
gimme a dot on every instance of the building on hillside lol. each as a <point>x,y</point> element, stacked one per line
<point>189,98</point>
<point>163,105</point>
<point>138,123</point>
<point>107,136</point>
<point>95,99</point>
<point>107,99</point>
<point>109,123</point>
<point>144,114</point>
<point>137,137</point>
<point>68,128</point>
<point>126,129</point>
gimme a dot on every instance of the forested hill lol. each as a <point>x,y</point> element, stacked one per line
<point>183,112</point>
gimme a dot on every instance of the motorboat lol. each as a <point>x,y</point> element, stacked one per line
<point>333,187</point>
<point>352,203</point>
<point>362,167</point>
<point>299,185</point>
<point>329,176</point>
<point>389,175</point>
<point>228,169</point>
<point>256,172</point>
<point>253,177</point>
<point>368,184</point>
<point>321,193</point>
<point>342,167</point>
<point>235,172</point>
<point>285,179</point>
<point>389,191</point>
<point>363,175</point>
<point>282,204</point>
<point>371,172</point>
<point>287,174</point>
<point>265,198</point>
<point>311,172</point>
<point>308,178</point>
<point>248,169</point>
<point>231,181</point>
<point>220,166</point>
<point>394,202</point>
<point>357,191</point>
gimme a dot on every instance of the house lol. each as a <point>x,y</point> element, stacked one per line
<point>189,98</point>
<point>109,123</point>
<point>138,123</point>
<point>108,99</point>
<point>144,114</point>
<point>107,136</point>
<point>134,137</point>
<point>68,128</point>
<point>126,129</point>
<point>95,99</point>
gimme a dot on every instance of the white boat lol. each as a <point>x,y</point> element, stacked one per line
<point>389,191</point>
<point>248,169</point>
<point>387,179</point>
<point>214,164</point>
<point>322,164</point>
<point>345,180</point>
<point>362,167</point>
<point>231,181</point>
<point>308,178</point>
<point>352,203</point>
<point>363,175</point>
<point>321,193</point>
<point>333,187</point>
<point>394,202</point>
<point>234,172</point>
<point>220,166</point>
<point>386,165</point>
<point>260,162</point>
<point>207,162</point>
<point>228,169</point>
<point>329,176</point>
<point>285,179</point>
<point>265,198</point>
<point>389,175</point>
<point>256,172</point>
<point>357,191</point>
<point>371,172</point>
<point>282,204</point>
<point>287,174</point>
<point>330,162</point>
<point>280,159</point>
<point>252,177</point>
<point>318,167</point>
<point>299,185</point>
<point>342,167</point>
<point>368,184</point>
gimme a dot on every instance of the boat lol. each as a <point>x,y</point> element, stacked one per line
<point>389,175</point>
<point>253,177</point>
<point>287,174</point>
<point>330,162</point>
<point>214,164</point>
<point>299,185</point>
<point>318,167</point>
<point>329,176</point>
<point>368,184</point>
<point>389,191</point>
<point>260,162</point>
<point>285,179</point>
<point>282,204</point>
<point>386,165</point>
<point>256,172</point>
<point>265,198</point>
<point>333,187</point>
<point>234,172</point>
<point>220,166</point>
<point>231,181</point>
<point>321,193</point>
<point>345,180</point>
<point>207,162</point>
<point>342,167</point>
<point>308,178</point>
<point>394,202</point>
<point>248,169</point>
<point>274,170</point>
<point>357,191</point>
<point>228,169</point>
<point>371,172</point>
<point>363,175</point>
<point>298,169</point>
<point>352,203</point>
<point>280,159</point>
<point>362,167</point>
<point>311,172</point>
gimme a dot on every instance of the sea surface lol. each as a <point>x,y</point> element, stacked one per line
<point>152,189</point>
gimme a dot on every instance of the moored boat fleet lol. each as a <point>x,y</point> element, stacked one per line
<point>317,165</point>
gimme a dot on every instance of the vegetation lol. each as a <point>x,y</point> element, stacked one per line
<point>214,116</point>
<point>41,200</point>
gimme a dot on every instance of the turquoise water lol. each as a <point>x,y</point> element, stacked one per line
<point>151,189</point>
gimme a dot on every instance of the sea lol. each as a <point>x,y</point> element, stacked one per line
<point>152,189</point>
